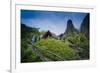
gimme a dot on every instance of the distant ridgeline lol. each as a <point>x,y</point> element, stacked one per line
<point>84,28</point>
<point>34,32</point>
<point>78,39</point>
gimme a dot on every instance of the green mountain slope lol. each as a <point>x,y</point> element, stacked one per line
<point>55,49</point>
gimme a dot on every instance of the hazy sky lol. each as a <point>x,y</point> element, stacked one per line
<point>56,22</point>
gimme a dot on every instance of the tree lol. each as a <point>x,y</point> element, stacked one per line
<point>79,42</point>
<point>27,55</point>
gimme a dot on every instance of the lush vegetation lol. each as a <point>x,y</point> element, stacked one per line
<point>57,47</point>
<point>27,55</point>
<point>72,47</point>
<point>80,43</point>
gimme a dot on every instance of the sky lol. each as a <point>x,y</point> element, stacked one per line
<point>56,22</point>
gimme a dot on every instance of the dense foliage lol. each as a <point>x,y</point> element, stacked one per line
<point>27,55</point>
<point>80,43</point>
<point>75,46</point>
<point>57,47</point>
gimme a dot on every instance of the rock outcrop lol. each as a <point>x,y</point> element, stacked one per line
<point>85,26</point>
<point>70,28</point>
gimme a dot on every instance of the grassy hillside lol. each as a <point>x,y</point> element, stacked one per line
<point>73,47</point>
<point>57,48</point>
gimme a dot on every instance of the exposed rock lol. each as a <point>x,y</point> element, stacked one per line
<point>70,28</point>
<point>85,26</point>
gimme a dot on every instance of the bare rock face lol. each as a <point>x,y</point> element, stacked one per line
<point>70,28</point>
<point>85,26</point>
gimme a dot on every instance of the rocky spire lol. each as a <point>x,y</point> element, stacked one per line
<point>70,27</point>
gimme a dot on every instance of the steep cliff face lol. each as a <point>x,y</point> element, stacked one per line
<point>70,28</point>
<point>85,26</point>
